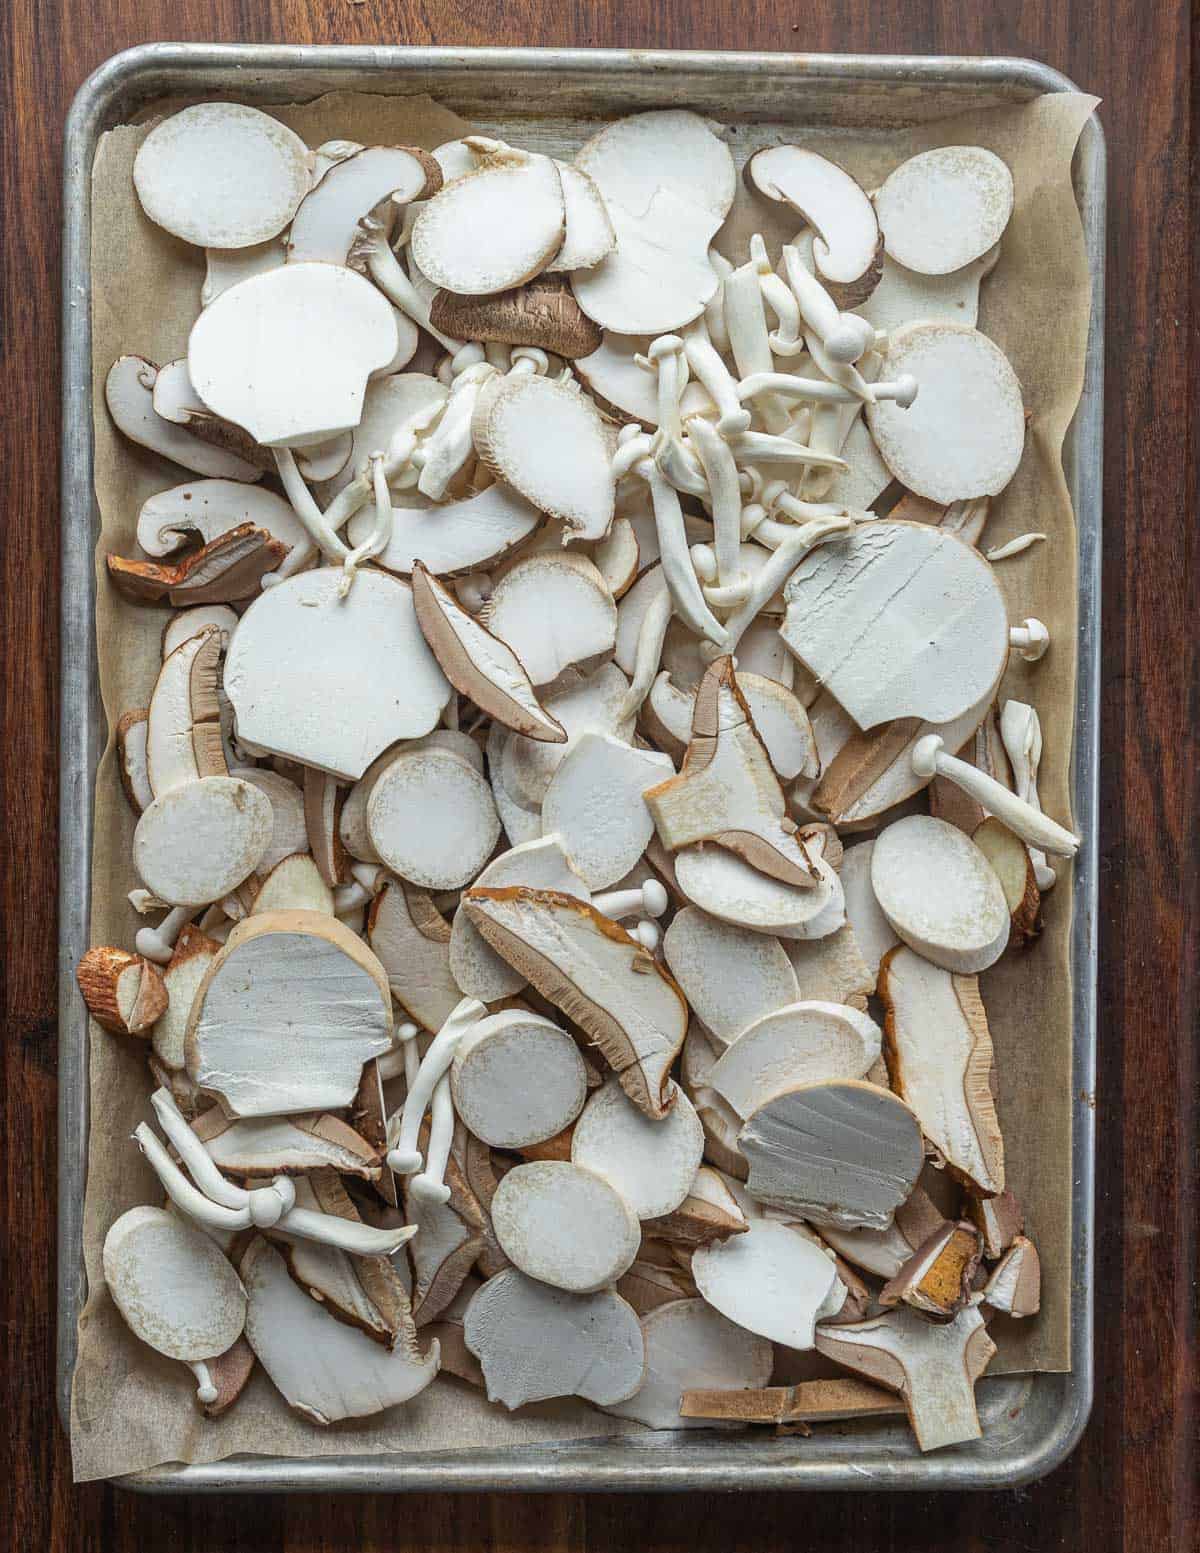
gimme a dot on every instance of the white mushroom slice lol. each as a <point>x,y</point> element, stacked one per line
<point>222,175</point>
<point>612,374</point>
<point>831,969</point>
<point>630,159</point>
<point>940,894</point>
<point>592,703</point>
<point>186,623</point>
<point>772,1281</point>
<point>522,821</point>
<point>194,952</point>
<point>293,884</point>
<point>782,722</point>
<point>352,821</point>
<point>412,941</point>
<point>837,1153</point>
<point>325,1369</point>
<point>553,611</point>
<point>665,716</point>
<point>285,1145</point>
<point>1015,1286</point>
<point>941,1061</point>
<point>129,394</point>
<point>493,229</point>
<point>720,883</point>
<point>933,1365</point>
<point>595,808</point>
<point>689,1345</point>
<point>964,435</point>
<point>804,1043</point>
<point>124,992</point>
<point>536,1342</point>
<point>944,208</point>
<point>225,267</point>
<point>618,558</point>
<point>650,587</point>
<point>659,276</point>
<point>326,460</point>
<point>885,1251</point>
<point>564,1226</point>
<point>287,1014</point>
<point>999,1220</point>
<point>130,736</point>
<point>459,537</point>
<point>898,620</point>
<point>651,1164</point>
<point>730,976</point>
<point>589,232</point>
<point>206,509</point>
<point>848,247</point>
<point>710,1211</point>
<point>301,649</point>
<point>326,222</point>
<point>873,933</point>
<point>287,354</point>
<point>432,819</point>
<point>517,1079</point>
<point>603,979</point>
<point>290,832</point>
<point>197,843</point>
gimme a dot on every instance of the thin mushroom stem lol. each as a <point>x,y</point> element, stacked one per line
<point>206,1391</point>
<point>845,336</point>
<point>842,372</point>
<point>376,542</point>
<point>762,447</point>
<point>929,759</point>
<point>714,311</point>
<point>652,633</point>
<point>440,457</point>
<point>725,494</point>
<point>404,1058</point>
<point>676,562</point>
<point>347,1235</point>
<point>158,943</point>
<point>729,596</point>
<point>305,507</point>
<point>430,1186</point>
<point>404,1157</point>
<point>190,1199</point>
<point>749,343</point>
<point>784,561</point>
<point>266,1204</point>
<point>903,391</point>
<point>650,900</point>
<point>668,358</point>
<point>371,248</point>
<point>718,381</point>
<point>1021,735</point>
<point>785,339</point>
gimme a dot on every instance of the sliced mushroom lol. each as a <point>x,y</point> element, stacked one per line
<point>412,941</point>
<point>542,313</point>
<point>943,209</point>
<point>772,1281</point>
<point>721,884</point>
<point>940,894</point>
<point>196,843</point>
<point>710,1211</point>
<point>431,818</point>
<point>730,976</point>
<point>810,1401</point>
<point>903,297</point>
<point>1010,859</point>
<point>130,736</point>
<point>646,1285</point>
<point>229,567</point>
<point>228,1374</point>
<point>208,509</point>
<point>626,390</point>
<point>591,703</point>
<point>594,806</point>
<point>998,1219</point>
<point>458,537</point>
<point>885,1251</point>
<point>456,1358</point>
<point>289,834</point>
<point>294,884</point>
<point>873,933</point>
<point>517,1079</point>
<point>589,234</point>
<point>937,1279</point>
<point>285,1145</point>
<point>193,953</point>
<point>564,1226</point>
<point>553,611</point>
<point>124,992</point>
<point>1015,1286</point>
<point>848,246</point>
<point>326,222</point>
<point>651,1164</point>
<point>225,267</point>
<point>128,392</point>
<point>186,623</point>
<point>802,1043</point>
<point>446,1246</point>
<point>831,969</point>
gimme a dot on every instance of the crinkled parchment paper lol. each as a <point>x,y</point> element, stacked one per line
<point>132,1409</point>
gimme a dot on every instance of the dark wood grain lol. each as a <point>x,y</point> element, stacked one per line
<point>1131,1484</point>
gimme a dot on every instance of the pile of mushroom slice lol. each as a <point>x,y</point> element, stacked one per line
<point>548,979</point>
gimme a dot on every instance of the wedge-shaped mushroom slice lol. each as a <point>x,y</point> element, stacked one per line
<point>564,1226</point>
<point>937,1279</point>
<point>898,620</point>
<point>229,567</point>
<point>412,941</point>
<point>943,209</point>
<point>450,1237</point>
<point>326,223</point>
<point>873,933</point>
<point>197,843</point>
<point>831,969</point>
<point>933,1365</point>
<point>294,884</point>
<point>940,894</point>
<point>543,313</point>
<point>222,175</point>
<point>287,354</point>
<point>602,979</point>
<point>592,703</point>
<point>998,1219</point>
<point>1014,867</point>
<point>726,887</point>
<point>286,1145</point>
<point>727,791</point>
<point>848,247</point>
<point>287,1014</point>
<point>493,229</point>
<point>1015,1286</point>
<point>228,1373</point>
<point>324,1368</point>
<point>730,976</point>
<point>459,537</point>
<point>432,819</point>
<point>129,393</point>
<point>302,649</point>
<point>594,806</point>
<point>589,234</point>
<point>709,1212</point>
<point>290,832</point>
<point>779,717</point>
<point>130,736</point>
<point>652,1164</point>
<point>518,1079</point>
<point>207,509</point>
<point>839,1153</point>
<point>124,992</point>
<point>885,1251</point>
<point>772,1281</point>
<point>803,1043</point>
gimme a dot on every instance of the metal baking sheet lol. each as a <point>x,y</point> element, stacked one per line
<point>1030,1422</point>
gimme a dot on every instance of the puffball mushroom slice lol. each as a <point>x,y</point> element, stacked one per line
<point>432,819</point>
<point>301,651</point>
<point>206,509</point>
<point>594,805</point>
<point>518,1079</point>
<point>772,1281</point>
<point>720,883</point>
<point>287,355</point>
<point>458,537</point>
<point>730,975</point>
<point>129,394</point>
<point>553,611</point>
<point>326,222</point>
<point>197,843</point>
<point>806,1043</point>
<point>848,246</point>
<point>564,1226</point>
<point>536,1342</point>
<point>944,208</point>
<point>651,1164</point>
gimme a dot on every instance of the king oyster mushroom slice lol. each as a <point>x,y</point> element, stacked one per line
<point>730,976</point>
<point>804,1043</point>
<point>432,819</point>
<point>455,538</point>
<point>183,624</point>
<point>832,969</point>
<point>651,1164</point>
<point>124,992</point>
<point>287,1014</point>
<point>602,979</point>
<point>848,246</point>
<point>129,394</point>
<point>324,1368</point>
<point>564,1226</point>
<point>287,354</point>
<point>772,1281</point>
<point>196,843</point>
<point>594,806</point>
<point>940,893</point>
<point>898,620</point>
<point>724,886</point>
<point>302,649</point>
<point>843,1152</point>
<point>903,297</point>
<point>391,403</point>
<point>964,435</point>
<point>589,234</point>
<point>412,941</point>
<point>285,1145</point>
<point>326,223</point>
<point>536,1342</point>
<point>942,209</point>
<point>293,884</point>
<point>225,267</point>
<point>553,611</point>
<point>517,1079</point>
<point>207,509</point>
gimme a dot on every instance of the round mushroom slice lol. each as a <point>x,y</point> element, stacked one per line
<point>944,208</point>
<point>564,1226</point>
<point>326,223</point>
<point>196,843</point>
<point>432,819</point>
<point>848,247</point>
<point>940,894</point>
<point>726,887</point>
<point>222,175</point>
<point>652,1164</point>
<point>730,975</point>
<point>518,1079</point>
<point>594,806</point>
<point>289,833</point>
<point>553,611</point>
<point>805,1043</point>
<point>771,1280</point>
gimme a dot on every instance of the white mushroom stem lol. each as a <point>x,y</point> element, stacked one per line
<point>1030,640</point>
<point>903,391</point>
<point>749,343</point>
<point>497,355</point>
<point>714,312</point>
<point>444,453</point>
<point>677,567</point>
<point>381,531</point>
<point>647,934</point>
<point>844,335</point>
<point>430,1186</point>
<point>652,633</point>
<point>158,943</point>
<point>306,509</point>
<point>1015,546</point>
<point>650,900</point>
<point>666,356</point>
<point>725,495</point>
<point>762,447</point>
<point>206,1391</point>
<point>451,368</point>
<point>719,383</point>
<point>1021,735</point>
<point>929,759</point>
<point>190,1199</point>
<point>786,339</point>
<point>680,465</point>
<point>404,1157</point>
<point>404,1059</point>
<point>529,358</point>
<point>840,371</point>
<point>716,595</point>
<point>371,248</point>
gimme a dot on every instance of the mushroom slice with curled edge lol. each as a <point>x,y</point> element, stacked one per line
<point>458,537</point>
<point>325,225</point>
<point>941,1061</point>
<point>1015,1286</point>
<point>944,208</point>
<point>710,1211</point>
<point>831,969</point>
<point>589,235</point>
<point>175,1289</point>
<point>222,175</point>
<point>412,941</point>
<point>651,1164</point>
<point>804,1043</point>
<point>287,355</point>
<point>838,1153</point>
<point>130,736</point>
<point>478,663</point>
<point>124,992</point>
<point>293,884</point>
<point>517,1079</point>
<point>721,884</point>
<point>594,806</point>
<point>933,1365</point>
<point>290,832</point>
<point>964,435</point>
<point>553,611</point>
<point>432,819</point>
<point>285,1145</point>
<point>286,1016</point>
<point>564,1226</point>
<point>848,245</point>
<point>535,1342</point>
<point>448,1243</point>
<point>207,509</point>
<point>937,1279</point>
<point>618,558</point>
<point>196,843</point>
<point>324,1368</point>
<point>229,567</point>
<point>186,623</point>
<point>302,648</point>
<point>129,394</point>
<point>730,976</point>
<point>1014,867</point>
<point>873,933</point>
<point>898,620</point>
<point>602,979</point>
<point>940,894</point>
<point>542,313</point>
<point>727,791</point>
<point>772,1281</point>
<point>548,441</point>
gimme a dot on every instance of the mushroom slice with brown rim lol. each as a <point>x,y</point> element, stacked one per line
<point>1014,867</point>
<point>229,567</point>
<point>432,819</point>
<point>447,1244</point>
<point>602,979</point>
<point>536,1342</point>
<point>458,537</point>
<point>197,843</point>
<point>998,1219</point>
<point>194,952</point>
<point>721,884</point>
<point>130,736</point>
<point>326,223</point>
<point>186,623</point>
<point>594,806</point>
<point>124,992</point>
<point>322,810</point>
<point>945,208</point>
<point>456,1358</point>
<point>176,400</point>
<point>129,393</point>
<point>518,1079</point>
<point>290,833</point>
<point>941,1061</point>
<point>542,313</point>
<point>940,894</point>
<point>873,933</point>
<point>937,1279</point>
<point>412,940</point>
<point>831,969</point>
<point>651,1164</point>
<point>564,1226</point>
<point>228,1372</point>
<point>780,718</point>
<point>710,1211</point>
<point>646,1285</point>
<point>285,1145</point>
<point>730,976</point>
<point>803,1043</point>
<point>207,509</point>
<point>885,1251</point>
<point>848,246</point>
<point>294,884</point>
<point>1015,1286</point>
<point>772,1281</point>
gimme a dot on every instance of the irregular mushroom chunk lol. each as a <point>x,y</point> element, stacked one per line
<point>124,992</point>
<point>810,1401</point>
<point>130,736</point>
<point>1015,1286</point>
<point>710,1211</point>
<point>229,567</point>
<point>772,1281</point>
<point>564,1226</point>
<point>594,805</point>
<point>937,1279</point>
<point>873,933</point>
<point>207,509</point>
<point>294,884</point>
<point>553,611</point>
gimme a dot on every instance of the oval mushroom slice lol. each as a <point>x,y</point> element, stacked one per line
<point>594,805</point>
<point>411,939</point>
<point>720,883</point>
<point>873,933</point>
<point>772,1281</point>
<point>944,208</point>
<point>517,1079</point>
<point>536,1342</point>
<point>326,223</point>
<point>206,509</point>
<point>432,819</point>
<point>197,843</point>
<point>730,975</point>
<point>186,623</point>
<point>289,832</point>
<point>564,1226</point>
<point>806,1043</point>
<point>848,247</point>
<point>553,611</point>
<point>458,537</point>
<point>652,1164</point>
<point>129,394</point>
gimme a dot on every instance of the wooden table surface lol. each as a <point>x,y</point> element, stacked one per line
<point>1131,1484</point>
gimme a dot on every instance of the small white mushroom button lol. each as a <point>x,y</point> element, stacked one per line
<point>1029,640</point>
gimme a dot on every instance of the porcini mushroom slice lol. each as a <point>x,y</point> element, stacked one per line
<point>594,806</point>
<point>724,886</point>
<point>1014,867</point>
<point>194,953</point>
<point>940,894</point>
<point>804,1043</point>
<point>285,1145</point>
<point>222,175</point>
<point>848,246</point>
<point>1015,1286</point>
<point>124,992</point>
<point>412,941</point>
<point>730,976</point>
<point>130,737</point>
<point>432,819</point>
<point>942,209</point>
<point>228,1373</point>
<point>898,620</point>
<point>301,649</point>
<point>552,611</point>
<point>873,933</point>
<point>837,1153</point>
<point>287,1014</point>
<point>652,1164</point>
<point>324,1368</point>
<point>710,1211</point>
<point>564,1226</point>
<point>536,1342</point>
<point>940,1060</point>
<point>197,843</point>
<point>937,1279</point>
<point>770,1280</point>
<point>326,222</point>
<point>458,537</point>
<point>294,884</point>
<point>517,1079</point>
<point>287,354</point>
<point>964,435</point>
<point>207,509</point>
<point>933,1365</point>
<point>999,1220</point>
<point>602,979</point>
<point>542,313</point>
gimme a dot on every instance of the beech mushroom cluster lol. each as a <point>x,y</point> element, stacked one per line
<point>512,975</point>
